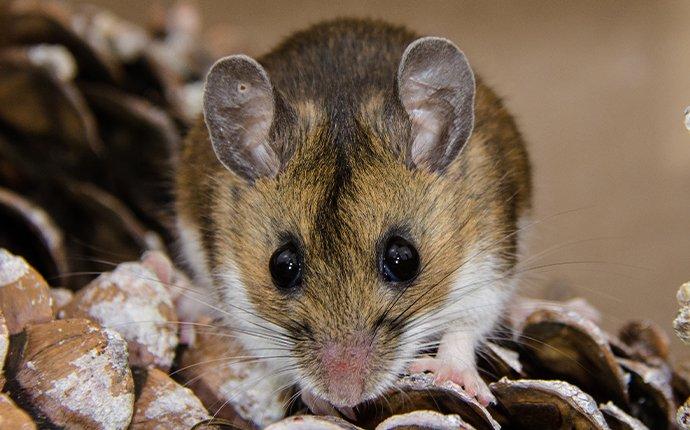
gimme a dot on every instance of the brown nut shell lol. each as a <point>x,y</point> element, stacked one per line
<point>34,22</point>
<point>29,231</point>
<point>4,347</point>
<point>568,347</point>
<point>645,339</point>
<point>163,404</point>
<point>61,297</point>
<point>651,395</point>
<point>680,381</point>
<point>51,115</point>
<point>681,325</point>
<point>24,294</point>
<point>419,391</point>
<point>617,419</point>
<point>75,374</point>
<point>424,420</point>
<point>683,415</point>
<point>499,361</point>
<point>312,422</point>
<point>140,175</point>
<point>547,405</point>
<point>228,381</point>
<point>12,417</point>
<point>132,301</point>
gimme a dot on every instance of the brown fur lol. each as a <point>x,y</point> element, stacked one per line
<point>345,186</point>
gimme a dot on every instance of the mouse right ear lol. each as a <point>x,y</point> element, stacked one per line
<point>436,87</point>
<point>239,107</point>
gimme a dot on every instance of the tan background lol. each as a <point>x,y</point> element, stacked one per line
<point>598,89</point>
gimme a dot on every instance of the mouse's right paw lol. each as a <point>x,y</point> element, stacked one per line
<point>450,370</point>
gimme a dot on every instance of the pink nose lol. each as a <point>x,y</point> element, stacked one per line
<point>345,368</point>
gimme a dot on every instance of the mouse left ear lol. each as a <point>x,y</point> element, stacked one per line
<point>436,87</point>
<point>239,106</point>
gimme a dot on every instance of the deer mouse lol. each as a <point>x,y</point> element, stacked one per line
<point>351,199</point>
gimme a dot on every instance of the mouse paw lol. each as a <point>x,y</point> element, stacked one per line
<point>449,370</point>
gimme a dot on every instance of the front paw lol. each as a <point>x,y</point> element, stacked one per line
<point>450,370</point>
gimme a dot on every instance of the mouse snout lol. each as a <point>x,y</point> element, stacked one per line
<point>346,367</point>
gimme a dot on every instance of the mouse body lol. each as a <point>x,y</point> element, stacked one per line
<point>351,199</point>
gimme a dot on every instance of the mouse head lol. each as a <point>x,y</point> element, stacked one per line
<point>344,229</point>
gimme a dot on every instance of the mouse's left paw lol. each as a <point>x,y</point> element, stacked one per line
<point>450,370</point>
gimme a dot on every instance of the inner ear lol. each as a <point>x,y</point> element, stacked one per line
<point>239,107</point>
<point>436,87</point>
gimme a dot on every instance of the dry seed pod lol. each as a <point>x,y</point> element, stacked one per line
<point>132,47</point>
<point>523,307</point>
<point>101,227</point>
<point>419,391</point>
<point>681,324</point>
<point>683,415</point>
<point>4,348</point>
<point>230,386</point>
<point>651,396</point>
<point>499,361</point>
<point>424,420</point>
<point>683,294</point>
<point>618,347</point>
<point>34,22</point>
<point>164,404</point>
<point>75,374</point>
<point>132,301</point>
<point>179,45</point>
<point>29,231</point>
<point>114,226</point>
<point>38,106</point>
<point>311,422</point>
<point>24,295</point>
<point>646,339</point>
<point>123,119</point>
<point>109,35</point>
<point>61,297</point>
<point>147,77</point>
<point>568,347</point>
<point>547,405</point>
<point>619,420</point>
<point>189,300</point>
<point>54,58</point>
<point>12,417</point>
<point>680,381</point>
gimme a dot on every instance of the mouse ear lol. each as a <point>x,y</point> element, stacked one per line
<point>436,87</point>
<point>238,111</point>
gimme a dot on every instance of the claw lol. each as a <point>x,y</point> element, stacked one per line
<point>466,377</point>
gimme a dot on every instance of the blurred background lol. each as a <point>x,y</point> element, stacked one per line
<point>598,90</point>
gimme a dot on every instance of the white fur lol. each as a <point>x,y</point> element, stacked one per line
<point>193,251</point>
<point>477,299</point>
<point>472,307</point>
<point>237,311</point>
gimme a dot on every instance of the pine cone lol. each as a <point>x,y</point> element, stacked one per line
<point>90,112</point>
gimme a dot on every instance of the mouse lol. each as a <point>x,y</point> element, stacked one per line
<point>351,200</point>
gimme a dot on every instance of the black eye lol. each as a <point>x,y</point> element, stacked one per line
<point>400,260</point>
<point>286,267</point>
